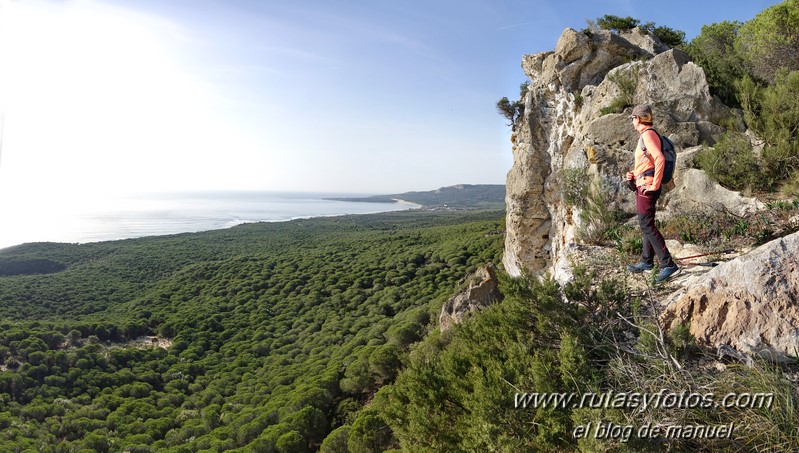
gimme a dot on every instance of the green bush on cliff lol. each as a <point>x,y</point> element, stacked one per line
<point>627,82</point>
<point>731,162</point>
<point>463,390</point>
<point>472,388</point>
<point>618,24</point>
<point>513,110</point>
<point>772,113</point>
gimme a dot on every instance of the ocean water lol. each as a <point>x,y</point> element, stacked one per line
<point>124,217</point>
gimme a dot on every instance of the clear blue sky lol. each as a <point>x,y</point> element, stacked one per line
<point>367,96</point>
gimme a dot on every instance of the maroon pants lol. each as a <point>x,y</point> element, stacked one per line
<point>654,244</point>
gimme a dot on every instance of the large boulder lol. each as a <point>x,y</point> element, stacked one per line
<point>750,303</point>
<point>696,192</point>
<point>480,292</point>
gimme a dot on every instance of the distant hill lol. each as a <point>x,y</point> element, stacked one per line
<point>462,196</point>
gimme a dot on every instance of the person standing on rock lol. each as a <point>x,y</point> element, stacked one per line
<point>645,181</point>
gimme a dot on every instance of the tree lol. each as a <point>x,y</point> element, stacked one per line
<point>666,35</point>
<point>369,433</point>
<point>770,41</point>
<point>714,50</point>
<point>385,362</point>
<point>310,422</point>
<point>73,337</point>
<point>291,442</point>
<point>336,441</point>
<point>773,113</point>
<point>510,110</point>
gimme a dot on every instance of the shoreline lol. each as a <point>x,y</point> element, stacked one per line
<point>95,225</point>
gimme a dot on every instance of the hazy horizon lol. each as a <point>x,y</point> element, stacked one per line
<point>129,216</point>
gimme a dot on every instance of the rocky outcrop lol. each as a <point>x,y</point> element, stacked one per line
<point>566,125</point>
<point>750,303</point>
<point>480,293</point>
<point>696,192</point>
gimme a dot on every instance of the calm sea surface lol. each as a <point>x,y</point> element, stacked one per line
<point>150,215</point>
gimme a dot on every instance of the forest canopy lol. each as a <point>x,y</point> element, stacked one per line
<point>263,337</point>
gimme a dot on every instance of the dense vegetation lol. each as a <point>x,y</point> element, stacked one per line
<point>755,65</point>
<point>470,389</point>
<point>276,333</point>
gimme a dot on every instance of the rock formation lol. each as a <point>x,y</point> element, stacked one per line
<point>480,293</point>
<point>750,303</point>
<point>565,126</point>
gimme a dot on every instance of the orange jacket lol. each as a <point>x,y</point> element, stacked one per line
<point>649,141</point>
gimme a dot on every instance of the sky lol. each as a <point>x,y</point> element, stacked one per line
<point>101,97</point>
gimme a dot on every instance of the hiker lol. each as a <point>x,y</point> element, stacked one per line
<point>645,179</point>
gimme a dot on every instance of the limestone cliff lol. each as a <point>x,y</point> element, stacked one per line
<point>563,127</point>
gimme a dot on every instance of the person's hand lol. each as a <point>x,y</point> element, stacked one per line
<point>630,176</point>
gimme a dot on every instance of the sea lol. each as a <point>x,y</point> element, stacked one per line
<point>134,216</point>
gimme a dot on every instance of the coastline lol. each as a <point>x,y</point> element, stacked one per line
<point>175,213</point>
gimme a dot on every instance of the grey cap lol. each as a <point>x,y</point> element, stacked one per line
<point>644,110</point>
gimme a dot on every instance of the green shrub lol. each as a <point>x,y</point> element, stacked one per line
<point>596,216</point>
<point>627,81</point>
<point>773,113</point>
<point>574,186</point>
<point>667,35</point>
<point>731,162</point>
<point>512,111</point>
<point>789,187</point>
<point>336,441</point>
<point>369,433</point>
<point>626,239</point>
<point>617,23</point>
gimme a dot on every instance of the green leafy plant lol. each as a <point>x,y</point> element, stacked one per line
<point>772,112</point>
<point>731,162</point>
<point>596,215</point>
<point>627,82</point>
<point>667,35</point>
<point>617,23</point>
<point>574,186</point>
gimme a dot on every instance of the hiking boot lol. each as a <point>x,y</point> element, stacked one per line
<point>640,267</point>
<point>666,272</point>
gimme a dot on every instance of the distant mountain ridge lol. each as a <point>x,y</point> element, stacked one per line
<point>461,196</point>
